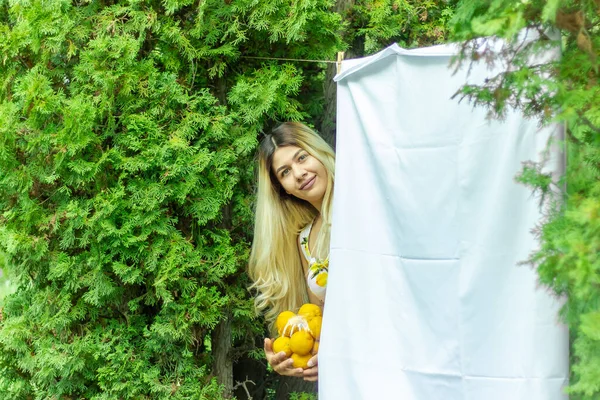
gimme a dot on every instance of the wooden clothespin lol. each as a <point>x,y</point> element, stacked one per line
<point>340,58</point>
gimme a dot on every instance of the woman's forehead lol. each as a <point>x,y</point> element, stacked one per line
<point>284,155</point>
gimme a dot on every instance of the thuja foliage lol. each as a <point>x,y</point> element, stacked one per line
<point>126,149</point>
<point>409,23</point>
<point>564,91</point>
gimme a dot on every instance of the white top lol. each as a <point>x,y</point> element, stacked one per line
<point>317,269</point>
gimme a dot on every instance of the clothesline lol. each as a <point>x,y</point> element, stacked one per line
<point>340,58</point>
<point>290,59</point>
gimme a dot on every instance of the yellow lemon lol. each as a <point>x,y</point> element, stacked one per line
<point>301,361</point>
<point>315,348</point>
<point>301,343</point>
<point>282,321</point>
<point>308,311</point>
<point>282,343</point>
<point>322,279</point>
<point>315,327</point>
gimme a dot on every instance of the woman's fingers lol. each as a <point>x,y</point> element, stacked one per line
<point>280,362</point>
<point>312,372</point>
<point>268,345</point>
<point>286,367</point>
<point>273,358</point>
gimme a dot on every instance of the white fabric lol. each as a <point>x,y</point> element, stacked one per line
<point>426,299</point>
<point>304,235</point>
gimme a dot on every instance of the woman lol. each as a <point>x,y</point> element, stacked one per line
<point>288,262</point>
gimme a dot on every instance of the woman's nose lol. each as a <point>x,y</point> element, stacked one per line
<point>298,171</point>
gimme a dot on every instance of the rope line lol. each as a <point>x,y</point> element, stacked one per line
<point>290,59</point>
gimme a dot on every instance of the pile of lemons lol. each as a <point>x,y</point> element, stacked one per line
<point>299,334</point>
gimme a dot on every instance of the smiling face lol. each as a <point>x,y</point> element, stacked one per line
<point>300,174</point>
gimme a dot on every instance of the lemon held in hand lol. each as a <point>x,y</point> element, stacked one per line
<point>309,311</point>
<point>299,334</point>
<point>282,343</point>
<point>314,325</point>
<point>301,361</point>
<point>282,323</point>
<point>315,348</point>
<point>301,343</point>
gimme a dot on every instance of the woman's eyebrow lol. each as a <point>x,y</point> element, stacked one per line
<point>285,165</point>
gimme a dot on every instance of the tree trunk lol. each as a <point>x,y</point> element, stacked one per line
<point>357,49</point>
<point>222,341</point>
<point>221,350</point>
<point>330,94</point>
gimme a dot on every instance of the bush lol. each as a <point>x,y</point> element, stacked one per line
<point>126,152</point>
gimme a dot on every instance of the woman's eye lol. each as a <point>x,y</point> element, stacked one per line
<point>285,172</point>
<point>302,157</point>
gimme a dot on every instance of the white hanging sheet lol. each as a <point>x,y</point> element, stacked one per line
<point>426,299</point>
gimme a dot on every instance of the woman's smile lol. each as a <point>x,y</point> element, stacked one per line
<point>308,184</point>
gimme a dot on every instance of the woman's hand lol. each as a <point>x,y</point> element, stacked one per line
<point>312,372</point>
<point>280,362</point>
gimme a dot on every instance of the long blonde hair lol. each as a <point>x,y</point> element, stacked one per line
<point>275,266</point>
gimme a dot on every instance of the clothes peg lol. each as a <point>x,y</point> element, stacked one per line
<point>340,58</point>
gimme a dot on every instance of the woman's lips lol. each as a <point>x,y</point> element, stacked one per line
<point>308,184</point>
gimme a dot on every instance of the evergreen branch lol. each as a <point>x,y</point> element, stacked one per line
<point>588,123</point>
<point>573,137</point>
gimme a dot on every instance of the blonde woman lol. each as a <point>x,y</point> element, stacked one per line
<point>289,258</point>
